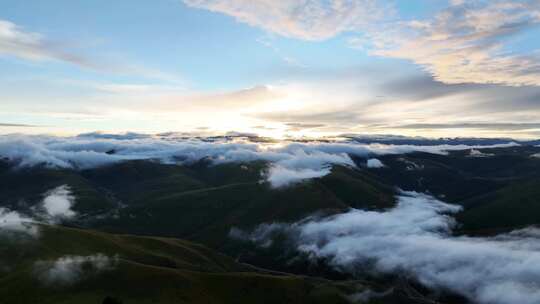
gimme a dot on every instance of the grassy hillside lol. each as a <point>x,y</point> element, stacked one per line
<point>216,198</point>
<point>148,270</point>
<point>511,207</point>
<point>458,177</point>
<point>201,202</point>
<point>22,188</point>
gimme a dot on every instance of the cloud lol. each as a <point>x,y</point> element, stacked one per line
<point>374,163</point>
<point>57,203</point>
<point>288,163</point>
<point>15,41</point>
<point>16,125</point>
<point>13,222</point>
<point>367,295</point>
<point>279,176</point>
<point>467,42</point>
<point>307,19</point>
<point>19,43</point>
<point>478,153</point>
<point>124,136</point>
<point>297,126</point>
<point>415,239</point>
<point>239,98</point>
<point>70,269</point>
<point>367,99</point>
<point>471,125</point>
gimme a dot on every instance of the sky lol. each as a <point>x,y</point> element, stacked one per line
<point>434,68</point>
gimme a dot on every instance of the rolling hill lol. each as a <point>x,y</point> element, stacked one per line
<point>68,265</point>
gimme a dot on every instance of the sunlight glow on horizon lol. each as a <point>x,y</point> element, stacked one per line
<point>277,69</point>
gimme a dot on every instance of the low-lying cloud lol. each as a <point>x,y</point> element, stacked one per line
<point>374,163</point>
<point>478,153</point>
<point>290,162</point>
<point>13,222</point>
<point>57,203</point>
<point>71,269</point>
<point>415,239</point>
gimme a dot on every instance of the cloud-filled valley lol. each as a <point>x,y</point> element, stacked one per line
<point>356,230</point>
<point>270,151</point>
<point>415,239</point>
<point>289,162</point>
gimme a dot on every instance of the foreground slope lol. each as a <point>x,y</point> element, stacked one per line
<point>66,265</point>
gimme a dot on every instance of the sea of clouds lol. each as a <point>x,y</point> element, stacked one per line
<point>289,162</point>
<point>415,238</point>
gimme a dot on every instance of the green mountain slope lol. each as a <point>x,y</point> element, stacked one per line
<point>206,211</point>
<point>147,270</point>
<point>511,207</point>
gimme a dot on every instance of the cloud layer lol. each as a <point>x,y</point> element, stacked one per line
<point>414,238</point>
<point>289,163</point>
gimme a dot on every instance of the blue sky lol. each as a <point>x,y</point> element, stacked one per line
<point>344,66</point>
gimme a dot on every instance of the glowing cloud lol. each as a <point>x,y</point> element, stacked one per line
<point>466,42</point>
<point>289,163</point>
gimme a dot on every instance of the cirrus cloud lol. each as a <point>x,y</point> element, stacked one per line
<point>305,19</point>
<point>468,42</point>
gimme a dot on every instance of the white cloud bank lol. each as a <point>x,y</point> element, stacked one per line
<point>415,238</point>
<point>289,163</point>
<point>70,269</point>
